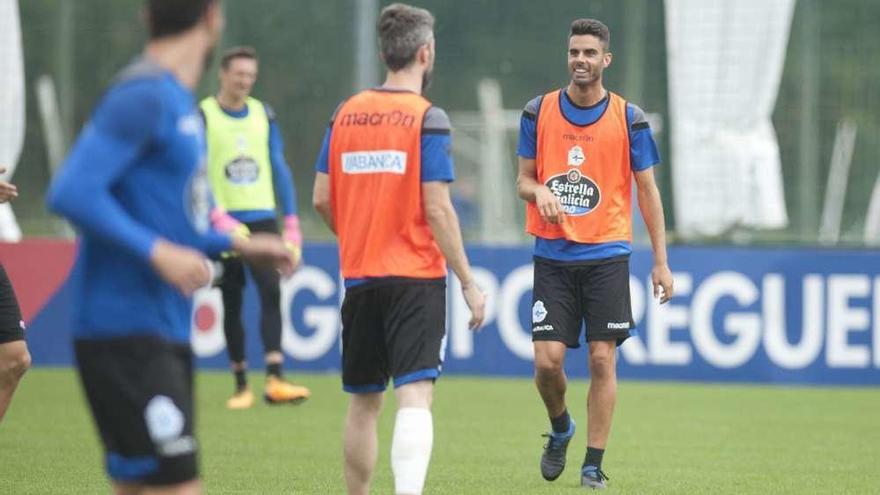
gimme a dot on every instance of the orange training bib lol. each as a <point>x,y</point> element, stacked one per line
<point>376,189</point>
<point>588,169</point>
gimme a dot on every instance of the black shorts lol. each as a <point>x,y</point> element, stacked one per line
<point>392,328</point>
<point>140,390</point>
<point>566,295</point>
<point>11,324</point>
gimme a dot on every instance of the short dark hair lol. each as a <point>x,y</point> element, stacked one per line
<point>170,17</point>
<point>591,27</point>
<point>403,29</point>
<point>237,52</point>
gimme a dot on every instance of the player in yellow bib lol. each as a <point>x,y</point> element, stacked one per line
<point>250,180</point>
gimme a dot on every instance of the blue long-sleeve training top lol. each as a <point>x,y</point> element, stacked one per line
<point>135,174</point>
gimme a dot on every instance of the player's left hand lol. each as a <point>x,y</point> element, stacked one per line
<point>266,250</point>
<point>476,302</point>
<point>661,278</point>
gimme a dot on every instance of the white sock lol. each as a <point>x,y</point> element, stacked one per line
<point>411,449</point>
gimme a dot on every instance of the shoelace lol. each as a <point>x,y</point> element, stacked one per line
<point>600,475</point>
<point>553,443</point>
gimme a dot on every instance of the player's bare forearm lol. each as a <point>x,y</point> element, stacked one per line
<point>321,199</point>
<point>444,225</point>
<point>531,190</point>
<point>651,206</point>
<point>327,216</point>
<point>526,179</point>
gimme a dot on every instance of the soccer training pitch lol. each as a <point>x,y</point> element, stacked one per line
<point>667,438</point>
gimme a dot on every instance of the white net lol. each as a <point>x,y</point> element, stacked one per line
<point>12,103</point>
<point>725,63</point>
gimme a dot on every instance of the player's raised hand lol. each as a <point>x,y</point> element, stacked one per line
<point>661,277</point>
<point>7,190</point>
<point>548,205</point>
<point>476,302</point>
<point>184,268</point>
<point>266,250</point>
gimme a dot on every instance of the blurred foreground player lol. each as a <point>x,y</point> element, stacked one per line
<point>382,185</point>
<point>580,149</point>
<point>14,356</point>
<point>247,171</point>
<point>135,187</point>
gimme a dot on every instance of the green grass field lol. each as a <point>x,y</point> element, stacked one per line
<point>667,438</point>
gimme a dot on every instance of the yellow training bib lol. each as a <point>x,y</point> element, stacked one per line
<point>239,166</point>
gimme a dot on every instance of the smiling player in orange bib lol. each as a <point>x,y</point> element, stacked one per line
<point>580,148</point>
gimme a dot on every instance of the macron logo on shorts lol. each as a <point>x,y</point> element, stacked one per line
<point>374,162</point>
<point>624,325</point>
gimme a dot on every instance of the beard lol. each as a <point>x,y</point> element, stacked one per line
<point>592,77</point>
<point>582,83</point>
<point>427,76</point>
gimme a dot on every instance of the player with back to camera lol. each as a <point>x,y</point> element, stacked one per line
<point>135,187</point>
<point>382,185</point>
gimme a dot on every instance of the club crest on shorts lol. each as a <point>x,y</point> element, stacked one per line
<point>164,420</point>
<point>539,312</point>
<point>576,156</point>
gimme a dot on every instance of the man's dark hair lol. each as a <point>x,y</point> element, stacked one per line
<point>403,29</point>
<point>591,27</point>
<point>170,17</point>
<point>237,52</point>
